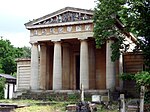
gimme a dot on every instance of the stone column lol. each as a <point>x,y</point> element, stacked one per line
<point>43,66</point>
<point>84,64</point>
<point>57,67</point>
<point>66,66</point>
<point>110,67</point>
<point>34,79</point>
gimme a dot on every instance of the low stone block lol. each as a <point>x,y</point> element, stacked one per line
<point>71,108</point>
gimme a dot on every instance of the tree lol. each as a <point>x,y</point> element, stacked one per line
<point>23,52</point>
<point>26,52</point>
<point>8,54</point>
<point>133,14</point>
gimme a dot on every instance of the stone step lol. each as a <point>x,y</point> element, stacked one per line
<point>60,95</point>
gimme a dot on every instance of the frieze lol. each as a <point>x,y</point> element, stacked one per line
<point>60,30</point>
<point>44,32</point>
<point>35,32</point>
<point>66,17</point>
<point>69,28</point>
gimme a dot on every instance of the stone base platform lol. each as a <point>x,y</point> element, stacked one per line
<point>57,95</point>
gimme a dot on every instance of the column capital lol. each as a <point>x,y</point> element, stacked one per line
<point>56,40</point>
<point>34,43</point>
<point>82,38</point>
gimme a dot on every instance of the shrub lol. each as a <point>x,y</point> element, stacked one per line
<point>142,78</point>
<point>2,86</point>
<point>127,76</point>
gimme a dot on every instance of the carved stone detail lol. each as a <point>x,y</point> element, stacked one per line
<point>67,17</point>
<point>69,28</point>
<point>44,31</point>
<point>52,30</point>
<point>78,28</point>
<point>60,30</point>
<point>35,32</point>
<point>87,27</point>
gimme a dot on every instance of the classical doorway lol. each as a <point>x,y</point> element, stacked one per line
<point>77,68</point>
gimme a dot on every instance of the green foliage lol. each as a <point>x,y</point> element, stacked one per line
<point>104,28</point>
<point>126,76</point>
<point>116,46</point>
<point>9,65</point>
<point>147,97</point>
<point>15,74</point>
<point>73,97</point>
<point>23,52</point>
<point>8,54</point>
<point>26,52</point>
<point>133,14</point>
<point>2,86</point>
<point>139,22</point>
<point>142,78</point>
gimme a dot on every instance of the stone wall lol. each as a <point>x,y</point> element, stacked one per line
<point>23,74</point>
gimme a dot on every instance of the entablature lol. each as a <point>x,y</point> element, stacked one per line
<point>55,30</point>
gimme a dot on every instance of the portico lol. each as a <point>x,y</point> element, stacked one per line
<point>69,64</point>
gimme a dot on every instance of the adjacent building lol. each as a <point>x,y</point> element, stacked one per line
<point>10,85</point>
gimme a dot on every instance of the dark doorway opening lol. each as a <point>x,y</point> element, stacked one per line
<point>77,58</point>
<point>8,91</point>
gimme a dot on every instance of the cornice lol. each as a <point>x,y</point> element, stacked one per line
<point>59,24</point>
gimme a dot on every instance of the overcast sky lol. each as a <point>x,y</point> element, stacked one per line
<point>15,13</point>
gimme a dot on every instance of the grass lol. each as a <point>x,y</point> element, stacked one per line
<point>42,106</point>
<point>59,107</point>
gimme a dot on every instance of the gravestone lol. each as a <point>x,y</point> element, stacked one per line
<point>96,98</point>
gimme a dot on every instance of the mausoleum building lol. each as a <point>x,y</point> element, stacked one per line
<point>64,54</point>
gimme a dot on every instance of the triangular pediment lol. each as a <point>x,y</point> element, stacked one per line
<point>68,14</point>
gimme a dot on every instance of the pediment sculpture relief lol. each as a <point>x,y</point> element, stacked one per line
<point>67,17</point>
